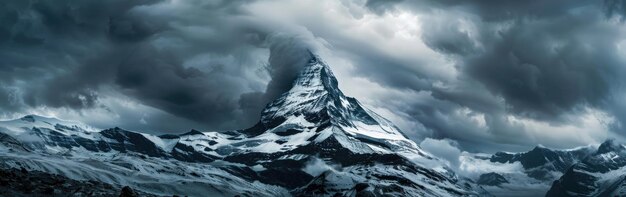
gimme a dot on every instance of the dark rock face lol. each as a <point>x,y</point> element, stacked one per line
<point>12,143</point>
<point>15,182</point>
<point>128,192</point>
<point>571,181</point>
<point>131,141</point>
<point>288,132</point>
<point>597,175</point>
<point>28,118</point>
<point>183,152</point>
<point>192,132</point>
<point>169,136</point>
<point>491,179</point>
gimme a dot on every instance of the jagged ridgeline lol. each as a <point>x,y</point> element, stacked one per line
<point>602,173</point>
<point>311,141</point>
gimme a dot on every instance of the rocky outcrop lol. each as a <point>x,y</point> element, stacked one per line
<point>21,182</point>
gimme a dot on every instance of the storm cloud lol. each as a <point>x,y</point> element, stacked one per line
<point>195,66</point>
<point>489,75</point>
<point>524,66</point>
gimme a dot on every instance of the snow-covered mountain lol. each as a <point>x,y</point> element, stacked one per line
<point>529,173</point>
<point>601,174</point>
<point>312,141</point>
<point>543,163</point>
<point>585,171</point>
<point>117,157</point>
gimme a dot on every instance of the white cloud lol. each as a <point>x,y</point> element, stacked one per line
<point>591,127</point>
<point>472,167</point>
<point>316,166</point>
<point>468,164</point>
<point>445,149</point>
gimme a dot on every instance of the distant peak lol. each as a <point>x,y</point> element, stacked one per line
<point>52,122</point>
<point>192,132</point>
<point>28,118</point>
<point>169,136</point>
<point>540,147</point>
<point>610,145</point>
<point>34,118</point>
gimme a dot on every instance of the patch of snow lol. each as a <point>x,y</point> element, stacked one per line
<point>165,144</point>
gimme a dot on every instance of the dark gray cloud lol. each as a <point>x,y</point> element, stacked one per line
<point>203,66</point>
<point>294,54</point>
<point>380,6</point>
<point>542,72</point>
<point>542,61</point>
<point>489,74</point>
<point>488,10</point>
<point>45,41</point>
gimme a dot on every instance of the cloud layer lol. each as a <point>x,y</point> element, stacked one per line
<point>490,75</point>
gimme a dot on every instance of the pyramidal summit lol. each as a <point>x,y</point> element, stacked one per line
<point>311,141</point>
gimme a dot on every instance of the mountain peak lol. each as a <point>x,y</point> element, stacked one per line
<point>610,145</point>
<point>316,75</point>
<point>540,149</point>
<point>315,101</point>
<point>312,92</point>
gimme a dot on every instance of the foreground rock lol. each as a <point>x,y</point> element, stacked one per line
<point>14,182</point>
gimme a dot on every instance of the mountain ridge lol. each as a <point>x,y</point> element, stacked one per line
<point>541,162</point>
<point>600,174</point>
<point>313,125</point>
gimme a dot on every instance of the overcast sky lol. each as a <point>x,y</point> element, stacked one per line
<point>488,74</point>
